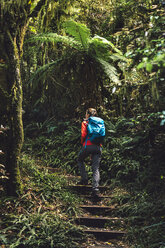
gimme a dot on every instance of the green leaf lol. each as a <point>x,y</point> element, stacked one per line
<point>79,31</point>
<point>141,65</point>
<point>54,38</point>
<point>149,67</point>
<point>107,43</point>
<point>110,71</point>
<point>116,57</point>
<point>3,238</point>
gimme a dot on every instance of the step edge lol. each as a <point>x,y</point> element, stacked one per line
<point>104,231</point>
<point>94,206</point>
<point>86,186</point>
<point>98,218</point>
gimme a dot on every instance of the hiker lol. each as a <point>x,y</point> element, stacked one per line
<point>90,148</point>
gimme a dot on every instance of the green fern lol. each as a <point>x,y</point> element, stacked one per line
<point>79,31</point>
<point>98,48</point>
<point>110,71</point>
<point>41,73</point>
<point>117,57</point>
<point>106,43</point>
<point>54,38</point>
<point>45,72</point>
<point>103,49</point>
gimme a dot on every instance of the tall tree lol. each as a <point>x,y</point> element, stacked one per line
<point>15,17</point>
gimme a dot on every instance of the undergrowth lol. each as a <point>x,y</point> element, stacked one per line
<point>43,215</point>
<point>132,165</point>
<point>132,159</point>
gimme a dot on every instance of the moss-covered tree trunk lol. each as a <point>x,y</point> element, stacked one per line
<point>15,16</point>
<point>13,49</point>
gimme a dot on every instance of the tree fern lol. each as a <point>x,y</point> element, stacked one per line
<point>110,71</point>
<point>116,57</point>
<point>102,50</point>
<point>79,31</point>
<point>45,72</point>
<point>54,38</point>
<point>42,72</point>
<point>106,43</point>
<point>98,48</point>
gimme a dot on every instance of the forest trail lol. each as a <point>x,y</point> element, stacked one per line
<point>97,218</point>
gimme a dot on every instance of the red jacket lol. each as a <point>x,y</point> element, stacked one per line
<point>84,134</point>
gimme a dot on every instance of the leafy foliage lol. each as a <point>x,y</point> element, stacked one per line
<point>79,31</point>
<point>54,38</point>
<point>43,215</point>
<point>61,154</point>
<point>40,230</point>
<point>74,69</point>
<point>96,47</point>
<point>132,159</point>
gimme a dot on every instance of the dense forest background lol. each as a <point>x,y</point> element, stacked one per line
<point>57,58</point>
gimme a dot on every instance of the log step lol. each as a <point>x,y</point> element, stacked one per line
<point>106,246</point>
<point>97,210</point>
<point>89,197</point>
<point>105,235</point>
<point>103,246</point>
<point>99,221</point>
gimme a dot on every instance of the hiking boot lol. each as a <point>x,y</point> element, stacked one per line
<point>83,182</point>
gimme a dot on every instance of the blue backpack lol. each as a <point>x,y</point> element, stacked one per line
<point>96,130</point>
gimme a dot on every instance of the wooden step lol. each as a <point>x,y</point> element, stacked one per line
<point>101,196</point>
<point>97,209</point>
<point>103,246</point>
<point>110,244</point>
<point>103,234</point>
<point>98,221</point>
<point>90,207</point>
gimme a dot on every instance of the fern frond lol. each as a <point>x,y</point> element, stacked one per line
<point>79,31</point>
<point>116,57</point>
<point>42,72</point>
<point>54,38</point>
<point>101,48</point>
<point>110,71</point>
<point>98,48</point>
<point>107,43</point>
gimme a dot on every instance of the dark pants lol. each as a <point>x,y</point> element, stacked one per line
<point>95,152</point>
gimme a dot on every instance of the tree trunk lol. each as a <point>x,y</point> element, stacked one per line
<point>14,21</point>
<point>15,135</point>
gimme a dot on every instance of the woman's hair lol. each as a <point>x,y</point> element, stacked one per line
<point>91,111</point>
